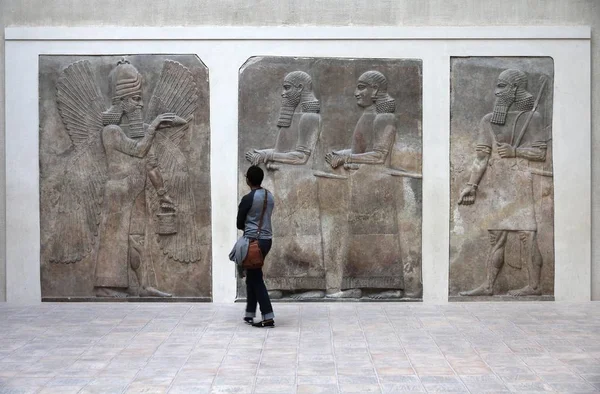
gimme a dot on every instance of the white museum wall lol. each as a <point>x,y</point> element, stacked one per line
<point>361,13</point>
<point>224,50</point>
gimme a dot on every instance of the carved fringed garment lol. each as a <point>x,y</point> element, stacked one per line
<point>373,258</point>
<point>126,182</point>
<point>509,204</point>
<point>296,259</point>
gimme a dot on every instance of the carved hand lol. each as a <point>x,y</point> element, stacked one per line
<point>251,157</point>
<point>334,159</point>
<point>165,120</point>
<point>467,196</point>
<point>256,157</point>
<point>506,150</point>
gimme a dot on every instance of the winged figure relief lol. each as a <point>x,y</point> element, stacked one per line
<point>115,153</point>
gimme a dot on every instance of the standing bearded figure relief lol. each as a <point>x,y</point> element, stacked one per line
<point>298,131</point>
<point>119,162</point>
<point>373,261</point>
<point>295,265</point>
<point>509,138</point>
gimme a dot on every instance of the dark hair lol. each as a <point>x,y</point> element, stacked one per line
<point>255,175</point>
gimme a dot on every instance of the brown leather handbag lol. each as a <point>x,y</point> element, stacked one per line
<point>254,258</point>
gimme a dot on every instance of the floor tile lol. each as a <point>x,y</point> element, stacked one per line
<point>316,348</point>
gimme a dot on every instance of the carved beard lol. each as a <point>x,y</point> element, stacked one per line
<point>286,112</point>
<point>501,107</point>
<point>135,124</point>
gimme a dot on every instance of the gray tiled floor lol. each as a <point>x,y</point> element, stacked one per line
<point>315,348</point>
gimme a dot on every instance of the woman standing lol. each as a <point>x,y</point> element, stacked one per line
<point>254,217</point>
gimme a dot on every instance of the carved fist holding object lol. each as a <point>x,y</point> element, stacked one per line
<point>506,150</point>
<point>166,202</point>
<point>467,196</point>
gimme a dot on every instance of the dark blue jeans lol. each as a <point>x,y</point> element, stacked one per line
<point>256,291</point>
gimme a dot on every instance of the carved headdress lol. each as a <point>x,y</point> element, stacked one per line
<point>516,95</point>
<point>306,98</point>
<point>124,81</point>
<point>384,103</point>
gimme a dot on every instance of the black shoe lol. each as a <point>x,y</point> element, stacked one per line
<point>265,323</point>
<point>249,321</point>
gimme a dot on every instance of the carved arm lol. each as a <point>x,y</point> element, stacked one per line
<point>294,157</point>
<point>535,153</point>
<point>467,195</point>
<point>343,152</point>
<point>372,157</point>
<point>479,164</point>
<point>138,148</point>
<point>384,131</point>
<point>307,140</point>
<point>126,145</point>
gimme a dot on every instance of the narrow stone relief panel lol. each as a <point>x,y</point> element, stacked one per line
<point>502,199</point>
<point>124,177</point>
<point>340,143</point>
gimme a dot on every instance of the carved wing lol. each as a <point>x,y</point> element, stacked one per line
<point>80,104</point>
<point>175,92</point>
<point>183,246</point>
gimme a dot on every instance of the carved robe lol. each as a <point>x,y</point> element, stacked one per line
<point>296,259</point>
<point>373,259</point>
<point>510,203</point>
<point>126,181</point>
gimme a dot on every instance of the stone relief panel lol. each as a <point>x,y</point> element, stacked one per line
<point>502,198</point>
<point>340,143</point>
<point>124,177</point>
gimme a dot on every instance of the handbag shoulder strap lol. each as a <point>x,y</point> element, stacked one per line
<point>262,214</point>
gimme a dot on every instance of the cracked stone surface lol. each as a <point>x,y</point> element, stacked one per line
<point>511,215</point>
<point>353,223</point>
<point>124,201</point>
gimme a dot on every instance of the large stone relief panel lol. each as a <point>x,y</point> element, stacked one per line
<point>124,177</point>
<point>340,143</point>
<point>502,201</point>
